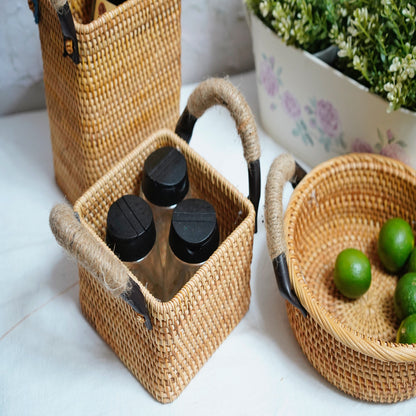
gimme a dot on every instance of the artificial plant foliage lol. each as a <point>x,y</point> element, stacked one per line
<point>376,39</point>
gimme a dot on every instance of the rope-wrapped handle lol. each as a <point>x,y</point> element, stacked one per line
<point>219,91</point>
<point>282,170</point>
<point>97,259</point>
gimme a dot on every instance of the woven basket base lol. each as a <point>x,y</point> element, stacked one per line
<point>356,374</point>
<point>160,359</point>
<point>371,314</point>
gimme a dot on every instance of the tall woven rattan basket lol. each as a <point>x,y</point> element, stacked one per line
<point>120,84</point>
<point>343,203</point>
<point>164,344</point>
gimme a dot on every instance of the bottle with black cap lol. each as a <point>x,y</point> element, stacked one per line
<point>165,184</point>
<point>131,234</point>
<point>193,237</point>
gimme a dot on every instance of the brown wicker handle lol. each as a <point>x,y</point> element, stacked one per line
<point>96,258</point>
<point>283,169</point>
<point>218,91</point>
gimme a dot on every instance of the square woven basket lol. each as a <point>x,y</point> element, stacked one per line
<point>186,330</point>
<point>343,203</point>
<point>125,86</point>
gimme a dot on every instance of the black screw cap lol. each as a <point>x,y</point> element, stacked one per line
<point>131,230</point>
<point>165,179</point>
<point>194,233</point>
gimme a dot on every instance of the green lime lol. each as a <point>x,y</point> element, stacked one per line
<point>395,243</point>
<point>411,262</point>
<point>406,333</point>
<point>352,274</point>
<point>405,296</point>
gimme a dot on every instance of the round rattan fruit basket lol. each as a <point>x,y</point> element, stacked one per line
<point>343,203</point>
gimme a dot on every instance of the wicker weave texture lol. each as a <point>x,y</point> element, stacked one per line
<point>187,329</point>
<point>343,203</point>
<point>126,86</point>
<point>351,371</point>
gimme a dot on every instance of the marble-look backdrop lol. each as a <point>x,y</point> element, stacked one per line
<point>215,42</point>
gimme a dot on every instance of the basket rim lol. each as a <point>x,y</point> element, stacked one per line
<point>108,18</point>
<point>179,300</point>
<point>368,345</point>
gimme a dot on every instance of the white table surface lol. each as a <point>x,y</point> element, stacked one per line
<point>53,363</point>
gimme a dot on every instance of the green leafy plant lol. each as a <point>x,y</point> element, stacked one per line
<point>376,40</point>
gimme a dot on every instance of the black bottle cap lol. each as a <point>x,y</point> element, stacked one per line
<point>131,230</point>
<point>165,179</point>
<point>194,234</point>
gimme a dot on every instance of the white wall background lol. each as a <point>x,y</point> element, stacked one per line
<point>215,42</point>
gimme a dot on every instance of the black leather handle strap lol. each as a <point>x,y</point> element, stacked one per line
<point>185,125</point>
<point>134,297</point>
<point>281,273</point>
<point>69,33</point>
<point>34,6</point>
<point>282,170</point>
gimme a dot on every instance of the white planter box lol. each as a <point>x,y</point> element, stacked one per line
<point>315,112</point>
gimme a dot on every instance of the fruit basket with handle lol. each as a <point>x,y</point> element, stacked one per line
<point>164,344</point>
<point>109,82</point>
<point>342,203</point>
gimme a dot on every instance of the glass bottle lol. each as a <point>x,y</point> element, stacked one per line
<point>131,234</point>
<point>193,237</point>
<point>165,183</point>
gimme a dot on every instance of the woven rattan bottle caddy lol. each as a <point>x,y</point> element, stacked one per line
<point>121,85</point>
<point>342,203</point>
<point>186,330</point>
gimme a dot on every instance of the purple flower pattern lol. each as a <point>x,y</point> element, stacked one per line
<point>327,118</point>
<point>268,78</point>
<point>291,105</point>
<point>325,123</point>
<point>393,150</point>
<point>322,124</point>
<point>360,146</point>
<point>390,146</point>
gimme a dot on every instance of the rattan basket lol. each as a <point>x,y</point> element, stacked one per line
<point>342,203</point>
<point>125,87</point>
<point>187,329</point>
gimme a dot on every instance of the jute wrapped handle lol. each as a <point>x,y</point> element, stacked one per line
<point>219,91</point>
<point>282,170</point>
<point>97,259</point>
<point>73,236</point>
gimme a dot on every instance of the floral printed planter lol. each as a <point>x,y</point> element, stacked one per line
<point>315,112</point>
